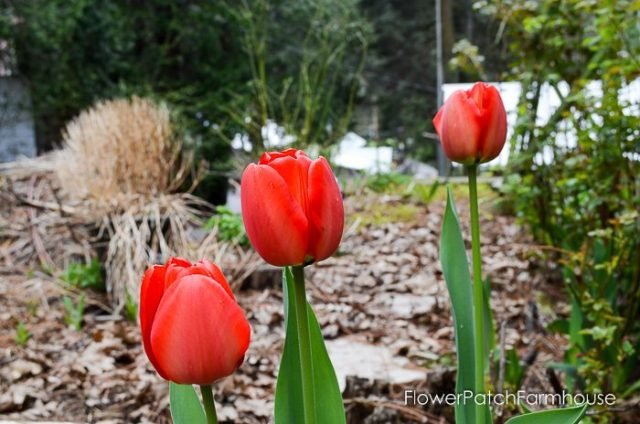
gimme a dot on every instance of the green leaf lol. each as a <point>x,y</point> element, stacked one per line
<point>288,403</point>
<point>185,405</point>
<point>455,267</point>
<point>631,389</point>
<point>559,326</point>
<point>578,342</point>
<point>514,372</point>
<point>564,367</point>
<point>489,327</point>
<point>552,416</point>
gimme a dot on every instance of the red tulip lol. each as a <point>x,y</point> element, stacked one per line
<point>193,330</point>
<point>472,125</point>
<point>292,208</point>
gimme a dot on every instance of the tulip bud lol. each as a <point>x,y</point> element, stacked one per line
<point>292,208</point>
<point>472,125</point>
<point>193,330</point>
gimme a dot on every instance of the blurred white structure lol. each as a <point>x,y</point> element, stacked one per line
<point>352,152</point>
<point>274,137</point>
<point>17,134</point>
<point>549,102</point>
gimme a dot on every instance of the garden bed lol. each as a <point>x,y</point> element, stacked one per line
<point>381,302</point>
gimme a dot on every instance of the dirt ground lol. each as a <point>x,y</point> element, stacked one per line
<point>381,302</point>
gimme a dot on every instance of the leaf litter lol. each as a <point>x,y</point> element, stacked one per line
<point>381,302</point>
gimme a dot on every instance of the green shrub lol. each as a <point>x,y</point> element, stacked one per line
<point>585,200</point>
<point>602,278</point>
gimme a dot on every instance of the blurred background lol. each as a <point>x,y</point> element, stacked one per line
<point>125,126</point>
<point>248,71</point>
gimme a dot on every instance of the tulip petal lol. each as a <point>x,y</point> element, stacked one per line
<point>174,266</point>
<point>216,273</point>
<point>477,93</point>
<point>326,210</point>
<point>437,121</point>
<point>199,334</point>
<point>209,269</point>
<point>460,129</point>
<point>494,118</point>
<point>151,291</point>
<point>275,223</point>
<point>295,172</point>
<point>267,157</point>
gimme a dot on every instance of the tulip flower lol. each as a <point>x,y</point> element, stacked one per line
<point>292,208</point>
<point>293,215</point>
<point>472,125</point>
<point>193,330</point>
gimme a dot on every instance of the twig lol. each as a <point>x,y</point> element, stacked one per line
<point>64,214</point>
<point>43,255</point>
<point>50,206</point>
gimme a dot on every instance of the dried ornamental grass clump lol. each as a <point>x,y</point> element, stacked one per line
<point>120,147</point>
<point>116,192</point>
<point>123,166</point>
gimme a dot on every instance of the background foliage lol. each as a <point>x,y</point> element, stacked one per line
<point>316,68</point>
<point>306,60</point>
<point>73,53</point>
<point>582,197</point>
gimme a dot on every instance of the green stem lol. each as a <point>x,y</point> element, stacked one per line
<point>209,404</point>
<point>304,339</point>
<point>478,296</point>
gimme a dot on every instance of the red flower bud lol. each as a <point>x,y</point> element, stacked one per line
<point>193,330</point>
<point>472,124</point>
<point>292,208</point>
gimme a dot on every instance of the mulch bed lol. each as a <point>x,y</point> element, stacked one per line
<point>383,290</point>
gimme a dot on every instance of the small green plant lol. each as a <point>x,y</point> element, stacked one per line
<point>32,307</point>
<point>22,334</point>
<point>74,312</point>
<point>83,276</point>
<point>425,193</point>
<point>514,371</point>
<point>229,225</point>
<point>387,183</point>
<point>130,308</point>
